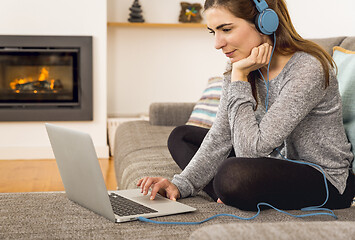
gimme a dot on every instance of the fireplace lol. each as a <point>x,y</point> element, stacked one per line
<point>46,78</point>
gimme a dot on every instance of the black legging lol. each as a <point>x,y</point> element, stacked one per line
<point>244,182</point>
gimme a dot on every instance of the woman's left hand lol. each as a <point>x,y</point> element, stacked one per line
<point>259,57</point>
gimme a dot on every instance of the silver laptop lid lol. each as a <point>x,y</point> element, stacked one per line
<point>79,169</point>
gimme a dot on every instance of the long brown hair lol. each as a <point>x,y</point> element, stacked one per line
<point>288,40</point>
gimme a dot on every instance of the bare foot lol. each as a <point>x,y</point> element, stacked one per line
<point>219,201</point>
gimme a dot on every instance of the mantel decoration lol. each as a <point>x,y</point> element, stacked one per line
<point>136,13</point>
<point>190,12</point>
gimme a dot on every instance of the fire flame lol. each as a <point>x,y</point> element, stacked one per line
<point>43,76</point>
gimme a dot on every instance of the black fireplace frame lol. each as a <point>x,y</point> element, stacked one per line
<point>83,109</point>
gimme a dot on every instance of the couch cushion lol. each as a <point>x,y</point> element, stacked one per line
<point>153,162</point>
<point>328,43</point>
<point>275,231</point>
<point>205,110</point>
<point>348,43</point>
<point>170,113</point>
<point>345,61</point>
<point>136,135</point>
<point>141,150</point>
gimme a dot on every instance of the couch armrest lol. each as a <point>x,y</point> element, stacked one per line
<point>170,114</point>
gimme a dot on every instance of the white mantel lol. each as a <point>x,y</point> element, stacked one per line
<point>28,140</point>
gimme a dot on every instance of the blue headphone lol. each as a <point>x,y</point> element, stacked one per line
<point>267,20</point>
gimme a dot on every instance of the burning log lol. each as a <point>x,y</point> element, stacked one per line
<point>39,86</point>
<point>43,84</point>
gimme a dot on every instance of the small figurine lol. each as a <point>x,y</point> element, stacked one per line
<point>136,12</point>
<point>190,12</point>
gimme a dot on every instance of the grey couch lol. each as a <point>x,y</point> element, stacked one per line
<point>141,150</point>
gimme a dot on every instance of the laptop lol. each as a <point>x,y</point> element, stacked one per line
<point>84,183</point>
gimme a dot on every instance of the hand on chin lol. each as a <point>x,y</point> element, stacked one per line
<point>259,57</point>
<point>234,59</point>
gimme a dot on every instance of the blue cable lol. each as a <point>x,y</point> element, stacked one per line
<point>319,208</point>
<point>268,69</point>
<point>327,212</point>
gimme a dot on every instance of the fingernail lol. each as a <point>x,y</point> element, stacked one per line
<point>151,198</point>
<point>174,199</point>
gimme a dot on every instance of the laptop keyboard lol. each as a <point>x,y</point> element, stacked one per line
<point>124,207</point>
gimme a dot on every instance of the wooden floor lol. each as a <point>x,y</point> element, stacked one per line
<point>42,175</point>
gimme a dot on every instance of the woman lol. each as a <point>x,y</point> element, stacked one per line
<point>238,161</point>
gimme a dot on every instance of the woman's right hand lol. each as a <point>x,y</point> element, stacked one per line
<point>258,58</point>
<point>159,185</point>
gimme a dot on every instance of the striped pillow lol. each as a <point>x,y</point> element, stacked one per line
<point>204,112</point>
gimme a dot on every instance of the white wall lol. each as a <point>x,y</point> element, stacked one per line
<point>156,64</point>
<point>323,18</point>
<point>149,65</point>
<point>23,140</point>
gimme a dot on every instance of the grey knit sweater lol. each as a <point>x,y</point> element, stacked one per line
<point>304,120</point>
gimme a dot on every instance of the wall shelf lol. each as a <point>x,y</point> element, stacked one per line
<point>157,25</point>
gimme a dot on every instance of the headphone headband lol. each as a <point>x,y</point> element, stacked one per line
<point>261,5</point>
<point>267,20</point>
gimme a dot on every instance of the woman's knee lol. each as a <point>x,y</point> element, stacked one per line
<point>187,134</point>
<point>231,183</point>
<point>176,134</point>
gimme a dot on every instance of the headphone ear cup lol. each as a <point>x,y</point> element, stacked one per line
<point>257,21</point>
<point>267,21</point>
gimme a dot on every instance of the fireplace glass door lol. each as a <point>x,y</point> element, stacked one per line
<point>39,77</point>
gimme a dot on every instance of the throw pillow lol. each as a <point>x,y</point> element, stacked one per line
<point>345,61</point>
<point>204,112</point>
